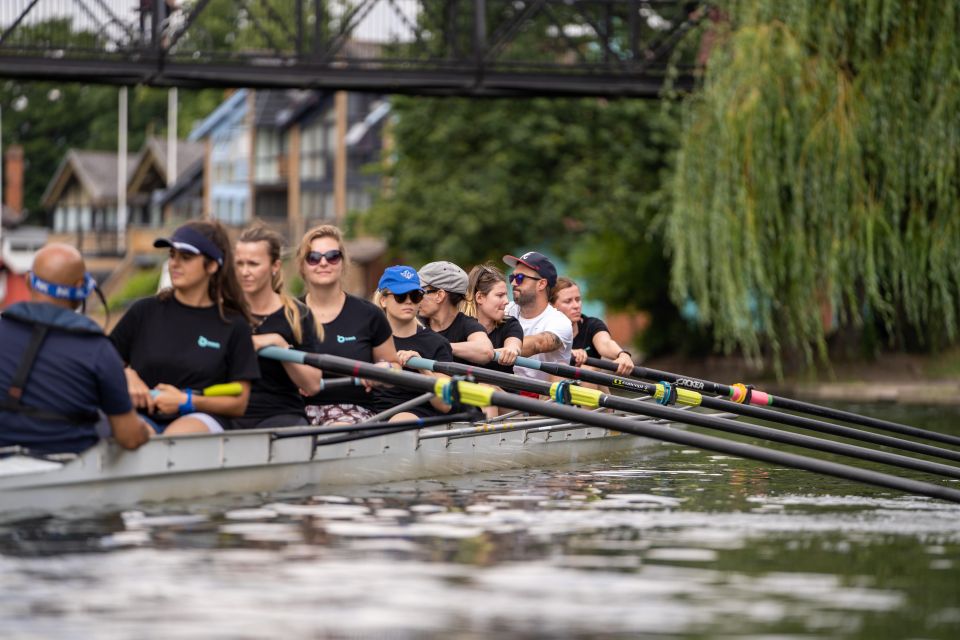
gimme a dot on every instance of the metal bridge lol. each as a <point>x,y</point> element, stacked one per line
<point>427,47</point>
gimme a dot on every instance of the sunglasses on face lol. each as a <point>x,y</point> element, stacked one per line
<point>415,296</point>
<point>518,278</point>
<point>333,256</point>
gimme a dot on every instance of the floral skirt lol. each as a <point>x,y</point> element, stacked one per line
<point>324,414</point>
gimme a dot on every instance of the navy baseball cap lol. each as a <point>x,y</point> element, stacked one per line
<point>399,279</point>
<point>192,241</point>
<point>536,261</point>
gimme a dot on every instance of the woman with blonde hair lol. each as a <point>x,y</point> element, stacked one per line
<point>352,327</point>
<point>591,338</point>
<point>399,295</point>
<point>192,335</point>
<point>486,300</point>
<point>276,399</point>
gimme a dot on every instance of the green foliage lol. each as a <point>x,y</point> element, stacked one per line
<point>139,285</point>
<point>819,167</point>
<point>473,179</point>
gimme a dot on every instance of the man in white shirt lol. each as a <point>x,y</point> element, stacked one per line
<point>547,333</point>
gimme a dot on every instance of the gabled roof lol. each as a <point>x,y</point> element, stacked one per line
<point>230,109</point>
<point>96,171</point>
<point>273,109</point>
<point>154,156</point>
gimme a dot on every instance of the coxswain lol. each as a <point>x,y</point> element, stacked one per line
<point>62,385</point>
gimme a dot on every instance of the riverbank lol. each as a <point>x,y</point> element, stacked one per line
<point>901,378</point>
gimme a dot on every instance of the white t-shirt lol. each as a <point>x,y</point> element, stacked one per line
<point>550,320</point>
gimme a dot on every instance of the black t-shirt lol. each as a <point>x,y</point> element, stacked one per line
<point>275,393</point>
<point>187,347</point>
<point>462,327</point>
<point>430,345</point>
<point>587,329</point>
<point>353,334</point>
<point>509,328</point>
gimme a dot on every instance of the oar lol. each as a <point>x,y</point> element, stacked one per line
<point>740,393</point>
<point>667,394</point>
<point>691,398</point>
<point>482,396</point>
<point>225,389</point>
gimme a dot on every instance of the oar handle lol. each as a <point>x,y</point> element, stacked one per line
<point>299,357</point>
<point>283,355</point>
<point>421,363</point>
<point>225,389</point>
<point>521,361</point>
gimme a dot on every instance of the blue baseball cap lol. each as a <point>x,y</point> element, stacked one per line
<point>399,279</point>
<point>192,241</point>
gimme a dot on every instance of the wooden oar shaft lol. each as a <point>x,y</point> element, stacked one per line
<point>783,403</point>
<point>760,413</point>
<point>512,401</point>
<point>729,426</point>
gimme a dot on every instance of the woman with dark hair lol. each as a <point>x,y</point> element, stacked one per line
<point>399,296</point>
<point>445,285</point>
<point>486,300</point>
<point>190,336</point>
<point>591,338</point>
<point>352,327</point>
<point>276,399</point>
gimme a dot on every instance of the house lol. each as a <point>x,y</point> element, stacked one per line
<point>148,182</point>
<point>83,198</point>
<point>272,155</point>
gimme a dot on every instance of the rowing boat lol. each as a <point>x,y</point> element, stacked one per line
<point>244,462</point>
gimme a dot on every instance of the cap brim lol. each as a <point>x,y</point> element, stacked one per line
<point>403,288</point>
<point>513,261</point>
<point>162,243</point>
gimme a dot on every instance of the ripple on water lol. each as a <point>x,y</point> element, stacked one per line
<point>586,552</point>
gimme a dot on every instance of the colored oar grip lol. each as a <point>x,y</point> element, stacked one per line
<point>284,355</point>
<point>420,363</point>
<point>225,389</point>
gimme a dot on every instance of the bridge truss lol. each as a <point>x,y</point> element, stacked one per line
<point>431,47</point>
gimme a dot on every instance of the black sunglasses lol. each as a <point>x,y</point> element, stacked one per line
<point>415,296</point>
<point>333,256</point>
<point>518,278</point>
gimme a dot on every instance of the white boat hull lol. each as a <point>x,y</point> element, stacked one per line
<point>244,462</point>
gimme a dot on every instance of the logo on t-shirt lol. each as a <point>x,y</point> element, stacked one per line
<point>342,339</point>
<point>207,344</point>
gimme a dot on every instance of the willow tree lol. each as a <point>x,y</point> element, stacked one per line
<point>817,174</point>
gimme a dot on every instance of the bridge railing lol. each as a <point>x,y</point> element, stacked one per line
<point>451,43</point>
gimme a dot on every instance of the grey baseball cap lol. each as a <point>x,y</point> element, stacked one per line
<point>444,275</point>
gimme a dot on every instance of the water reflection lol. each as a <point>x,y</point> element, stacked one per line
<point>682,545</point>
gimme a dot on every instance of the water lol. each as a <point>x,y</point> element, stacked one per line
<point>677,543</point>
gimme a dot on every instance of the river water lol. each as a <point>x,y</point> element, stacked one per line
<point>668,543</point>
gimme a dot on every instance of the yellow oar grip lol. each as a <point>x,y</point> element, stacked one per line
<point>471,393</point>
<point>578,395</point>
<point>685,396</point>
<point>226,389</point>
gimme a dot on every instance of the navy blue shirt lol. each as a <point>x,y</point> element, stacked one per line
<point>73,373</point>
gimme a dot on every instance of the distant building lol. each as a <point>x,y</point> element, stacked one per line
<point>18,242</point>
<point>271,155</point>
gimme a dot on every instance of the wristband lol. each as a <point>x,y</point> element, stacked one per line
<point>626,352</point>
<point>187,407</point>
